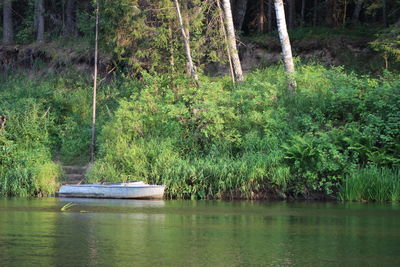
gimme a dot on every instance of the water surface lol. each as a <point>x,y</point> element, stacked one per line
<point>35,232</point>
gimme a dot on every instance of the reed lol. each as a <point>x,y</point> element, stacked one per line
<point>371,184</point>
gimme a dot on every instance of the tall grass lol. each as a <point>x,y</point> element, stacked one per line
<point>371,184</point>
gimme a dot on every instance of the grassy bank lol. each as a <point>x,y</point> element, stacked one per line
<point>251,141</point>
<point>47,122</point>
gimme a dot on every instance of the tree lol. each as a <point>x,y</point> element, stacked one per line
<point>285,43</point>
<point>190,65</point>
<point>232,41</point>
<point>384,13</point>
<point>270,15</point>
<point>39,18</point>
<point>292,13</point>
<point>302,14</point>
<point>70,27</point>
<point>357,10</point>
<point>261,17</point>
<point>8,32</point>
<point>223,31</point>
<point>388,42</point>
<point>315,13</point>
<point>240,13</point>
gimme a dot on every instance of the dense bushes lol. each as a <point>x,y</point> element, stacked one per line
<point>48,119</point>
<point>216,141</point>
<point>25,160</point>
<point>253,140</point>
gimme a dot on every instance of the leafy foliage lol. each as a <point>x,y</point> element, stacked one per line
<point>253,140</point>
<point>388,42</point>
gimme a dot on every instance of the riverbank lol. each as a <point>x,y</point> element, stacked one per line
<point>249,141</point>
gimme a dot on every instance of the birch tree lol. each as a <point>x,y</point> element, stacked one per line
<point>221,21</point>
<point>232,40</point>
<point>285,43</point>
<point>189,59</point>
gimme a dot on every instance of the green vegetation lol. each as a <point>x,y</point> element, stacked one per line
<point>213,141</point>
<point>25,160</point>
<point>372,184</point>
<point>47,120</point>
<point>253,141</point>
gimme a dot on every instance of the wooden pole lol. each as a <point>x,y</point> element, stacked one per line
<point>93,146</point>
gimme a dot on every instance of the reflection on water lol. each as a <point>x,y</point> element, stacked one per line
<point>95,232</point>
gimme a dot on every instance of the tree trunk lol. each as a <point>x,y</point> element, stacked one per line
<point>171,49</point>
<point>303,7</point>
<point>315,13</point>
<point>292,13</point>
<point>8,32</point>
<point>221,21</point>
<point>39,13</point>
<point>190,64</point>
<point>344,13</point>
<point>93,146</point>
<point>240,8</point>
<point>330,7</point>
<point>285,43</point>
<point>269,15</point>
<point>70,18</point>
<point>232,41</point>
<point>261,17</point>
<point>186,18</point>
<point>384,14</point>
<point>357,11</point>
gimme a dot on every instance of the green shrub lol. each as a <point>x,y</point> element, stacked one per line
<point>25,161</point>
<point>252,140</point>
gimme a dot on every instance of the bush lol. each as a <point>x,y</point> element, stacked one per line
<point>252,140</point>
<point>25,160</point>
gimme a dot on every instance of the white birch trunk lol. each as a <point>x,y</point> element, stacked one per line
<point>189,59</point>
<point>285,42</point>
<point>232,41</point>
<point>221,20</point>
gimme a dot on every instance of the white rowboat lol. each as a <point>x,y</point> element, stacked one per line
<point>136,190</point>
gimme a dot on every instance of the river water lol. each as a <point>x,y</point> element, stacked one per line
<point>35,232</point>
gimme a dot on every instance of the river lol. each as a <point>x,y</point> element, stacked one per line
<point>35,232</point>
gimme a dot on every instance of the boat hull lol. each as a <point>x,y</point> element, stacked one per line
<point>113,191</point>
